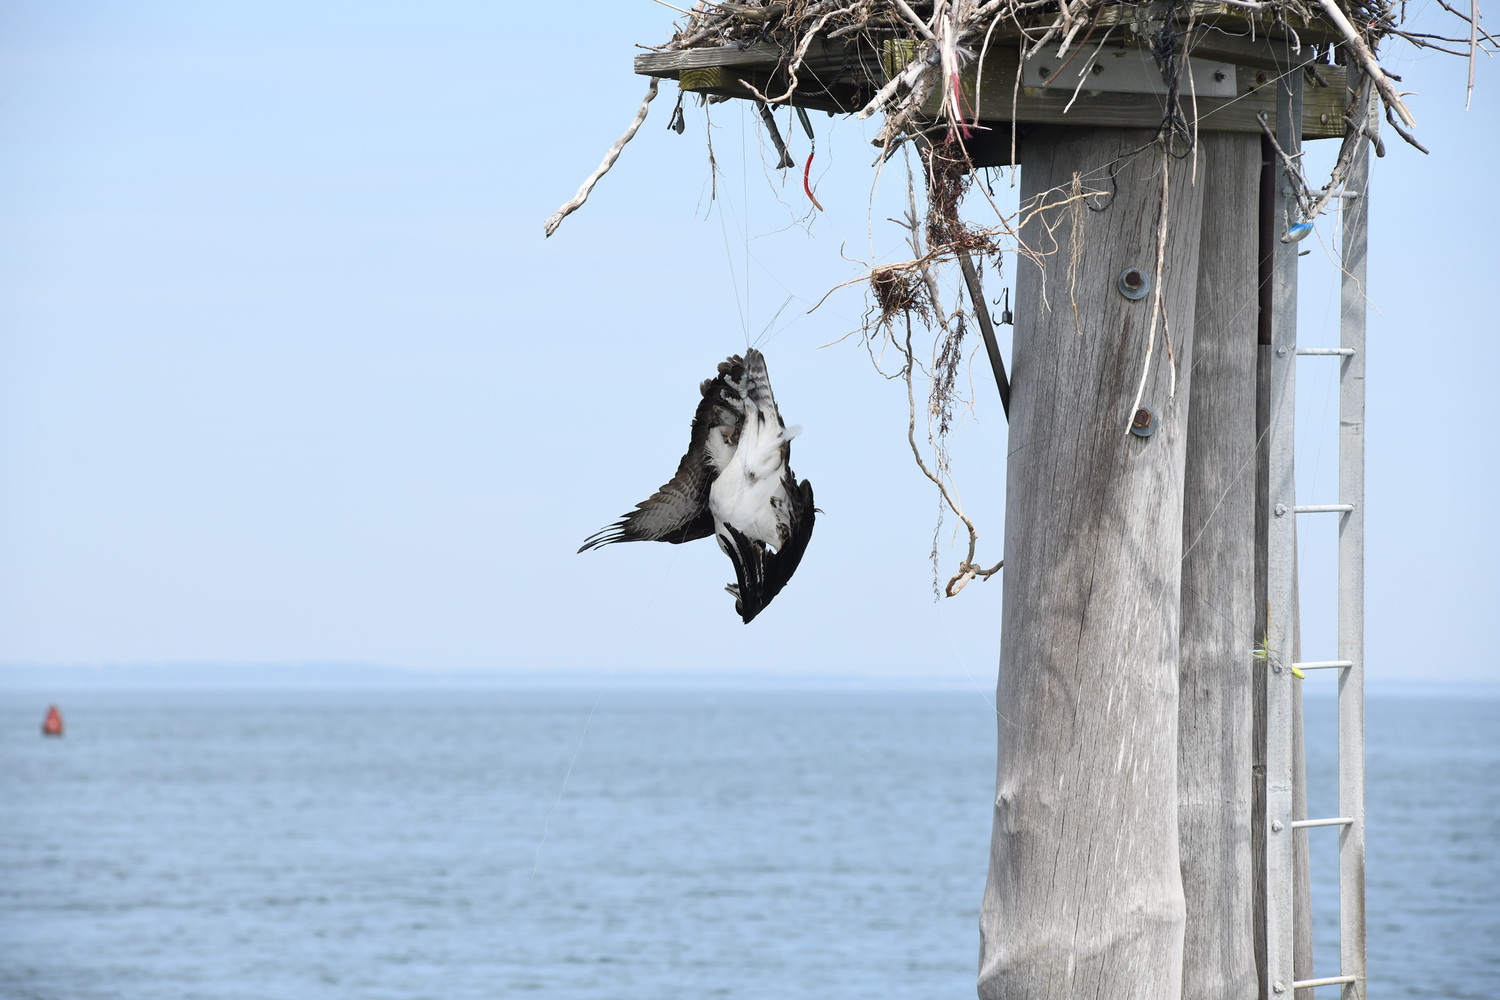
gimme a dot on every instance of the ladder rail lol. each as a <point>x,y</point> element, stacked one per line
<point>1281,593</point>
<point>1351,580</point>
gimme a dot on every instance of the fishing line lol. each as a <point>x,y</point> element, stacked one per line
<point>742,302</point>
<point>958,653</point>
<point>741,305</point>
<point>984,696</point>
<point>745,224</point>
<point>745,302</point>
<point>763,339</point>
<point>536,860</point>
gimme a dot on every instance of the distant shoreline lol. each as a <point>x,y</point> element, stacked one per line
<point>153,677</point>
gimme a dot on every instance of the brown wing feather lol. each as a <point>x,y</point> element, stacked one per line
<point>678,512</point>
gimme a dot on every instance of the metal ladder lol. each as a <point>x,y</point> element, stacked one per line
<point>1282,510</point>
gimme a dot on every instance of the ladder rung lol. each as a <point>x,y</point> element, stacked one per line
<point>1324,665</point>
<point>1326,352</point>
<point>1299,824</point>
<point>1323,508</point>
<point>1303,984</point>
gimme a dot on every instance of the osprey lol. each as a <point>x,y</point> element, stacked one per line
<point>734,483</point>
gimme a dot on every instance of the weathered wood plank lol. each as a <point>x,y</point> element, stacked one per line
<point>839,78</point>
<point>1270,26</point>
<point>765,56</point>
<point>1084,896</point>
<point>724,81</point>
<point>1214,750</point>
<point>998,101</point>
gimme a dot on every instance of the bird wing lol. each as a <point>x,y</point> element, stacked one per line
<point>781,564</point>
<point>678,512</point>
<point>749,559</point>
<point>760,573</point>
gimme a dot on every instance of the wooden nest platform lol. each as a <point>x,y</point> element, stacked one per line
<point>992,68</point>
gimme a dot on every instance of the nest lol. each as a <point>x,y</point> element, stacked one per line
<point>891,56</point>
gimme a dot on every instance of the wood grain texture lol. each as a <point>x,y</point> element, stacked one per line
<point>1214,752</point>
<point>1084,897</point>
<point>992,94</point>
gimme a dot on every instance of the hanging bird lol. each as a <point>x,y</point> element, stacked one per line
<point>734,483</point>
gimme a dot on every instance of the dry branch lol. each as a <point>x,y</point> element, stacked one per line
<point>1368,61</point>
<point>576,202</point>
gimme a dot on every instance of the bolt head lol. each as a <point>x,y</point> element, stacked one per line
<point>1276,826</point>
<point>1133,283</point>
<point>1043,72</point>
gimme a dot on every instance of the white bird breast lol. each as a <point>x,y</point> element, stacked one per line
<point>750,490</point>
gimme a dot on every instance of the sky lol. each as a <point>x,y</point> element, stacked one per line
<point>289,374</point>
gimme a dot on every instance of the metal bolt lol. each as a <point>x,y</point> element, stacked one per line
<point>1143,424</point>
<point>1043,72</point>
<point>1134,283</point>
<point>1097,69</point>
<point>1323,118</point>
<point>1281,510</point>
<point>1277,987</point>
<point>1276,826</point>
<point>1281,351</point>
<point>1219,75</point>
<point>1260,79</point>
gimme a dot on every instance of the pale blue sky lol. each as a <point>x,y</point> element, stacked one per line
<point>289,375</point>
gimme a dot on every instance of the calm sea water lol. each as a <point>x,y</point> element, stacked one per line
<point>735,844</point>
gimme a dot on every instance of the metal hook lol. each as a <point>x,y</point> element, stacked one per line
<point>1006,317</point>
<point>678,124</point>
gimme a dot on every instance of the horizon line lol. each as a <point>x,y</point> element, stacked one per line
<point>20,677</point>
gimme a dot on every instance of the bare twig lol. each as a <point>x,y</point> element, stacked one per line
<point>1473,49</point>
<point>576,202</point>
<point>1159,299</point>
<point>916,22</point>
<point>1367,60</point>
<point>1300,188</point>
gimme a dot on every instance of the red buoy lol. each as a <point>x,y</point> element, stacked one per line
<point>52,725</point>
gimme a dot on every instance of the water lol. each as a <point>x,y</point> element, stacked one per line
<point>1432,790</point>
<point>383,845</point>
<point>735,844</point>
